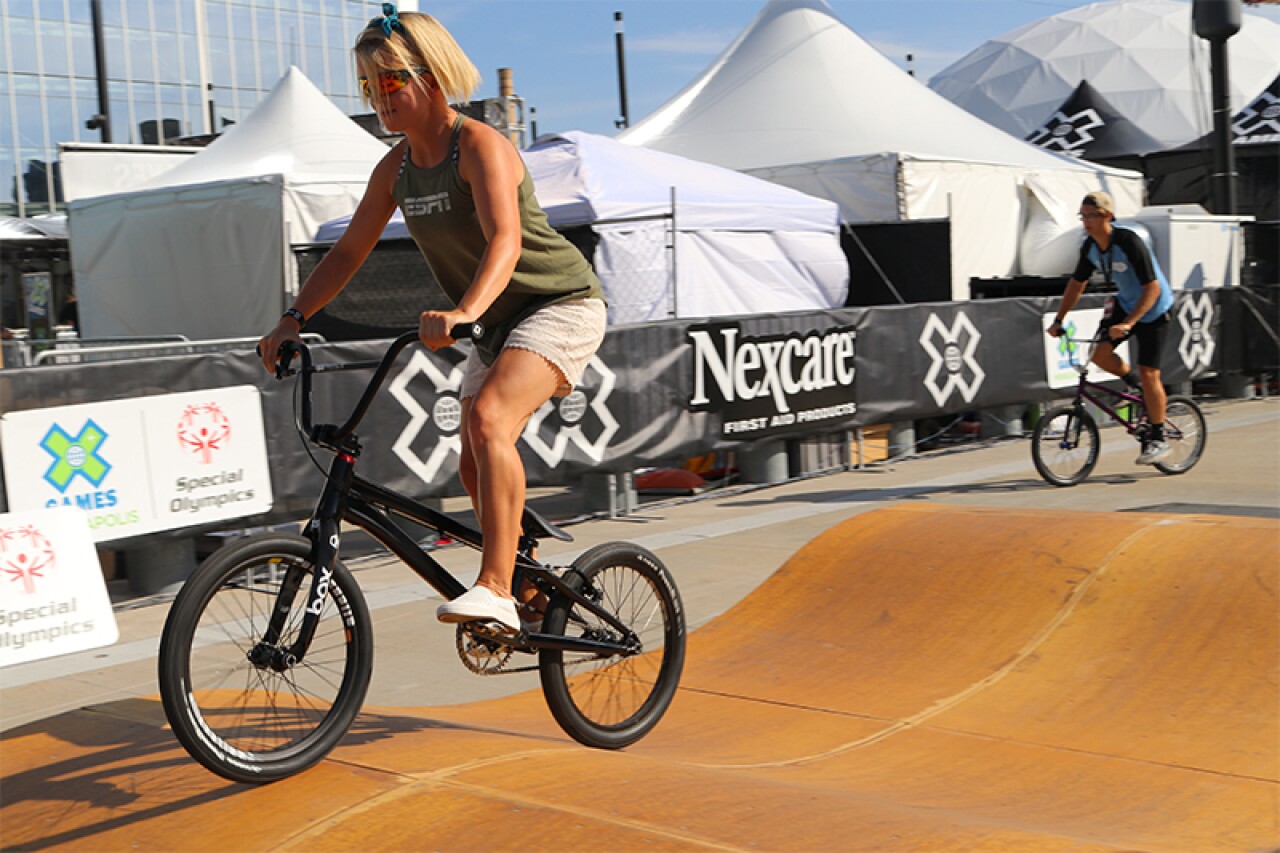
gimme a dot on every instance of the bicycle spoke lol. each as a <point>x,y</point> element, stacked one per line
<point>231,700</point>
<point>612,700</point>
<point>1064,445</point>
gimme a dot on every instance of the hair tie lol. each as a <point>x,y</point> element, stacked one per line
<point>390,20</point>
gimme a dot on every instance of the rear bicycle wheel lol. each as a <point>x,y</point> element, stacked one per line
<point>1064,445</point>
<point>1186,434</point>
<point>611,701</point>
<point>260,722</point>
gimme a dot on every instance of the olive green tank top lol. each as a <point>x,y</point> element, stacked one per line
<point>440,214</point>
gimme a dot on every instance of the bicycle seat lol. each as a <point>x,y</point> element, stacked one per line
<point>539,528</point>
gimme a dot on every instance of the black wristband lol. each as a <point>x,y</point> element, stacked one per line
<point>297,315</point>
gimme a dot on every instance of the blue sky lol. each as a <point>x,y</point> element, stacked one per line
<point>563,62</point>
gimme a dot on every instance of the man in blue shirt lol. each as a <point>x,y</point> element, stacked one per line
<point>1139,309</point>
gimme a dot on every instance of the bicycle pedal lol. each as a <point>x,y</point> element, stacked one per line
<point>490,628</point>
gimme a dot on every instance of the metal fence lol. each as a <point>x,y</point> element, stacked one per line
<point>635,259</point>
<point>69,349</point>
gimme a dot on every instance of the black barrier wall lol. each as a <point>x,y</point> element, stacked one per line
<point>661,392</point>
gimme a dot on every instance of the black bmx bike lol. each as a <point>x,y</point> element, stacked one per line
<point>1065,443</point>
<point>267,651</point>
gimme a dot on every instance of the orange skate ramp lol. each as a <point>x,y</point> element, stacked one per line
<point>919,677</point>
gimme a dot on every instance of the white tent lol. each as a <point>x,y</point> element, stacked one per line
<point>742,245</point>
<point>204,249</point>
<point>1143,56</point>
<point>800,99</point>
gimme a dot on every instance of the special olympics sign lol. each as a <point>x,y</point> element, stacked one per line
<point>141,465</point>
<point>53,600</point>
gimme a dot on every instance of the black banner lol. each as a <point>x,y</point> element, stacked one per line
<point>657,393</point>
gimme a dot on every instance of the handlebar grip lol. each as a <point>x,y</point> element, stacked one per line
<point>467,331</point>
<point>288,350</point>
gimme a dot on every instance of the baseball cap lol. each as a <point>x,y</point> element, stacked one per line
<point>1102,201</point>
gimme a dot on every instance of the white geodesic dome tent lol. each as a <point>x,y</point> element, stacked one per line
<point>1142,56</point>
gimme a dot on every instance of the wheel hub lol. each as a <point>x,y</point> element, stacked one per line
<point>265,656</point>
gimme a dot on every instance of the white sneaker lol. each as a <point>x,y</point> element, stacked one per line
<point>480,604</point>
<point>1153,451</point>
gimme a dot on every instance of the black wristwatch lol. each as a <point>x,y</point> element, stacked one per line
<point>297,315</point>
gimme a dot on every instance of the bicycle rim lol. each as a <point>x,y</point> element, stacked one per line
<point>611,702</point>
<point>1185,432</point>
<point>1064,446</point>
<point>252,723</point>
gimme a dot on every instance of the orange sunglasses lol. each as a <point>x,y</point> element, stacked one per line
<point>390,81</point>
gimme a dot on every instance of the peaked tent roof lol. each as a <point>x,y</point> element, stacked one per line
<point>583,177</point>
<point>1088,127</point>
<point>295,131</point>
<point>799,86</point>
<point>1142,55</point>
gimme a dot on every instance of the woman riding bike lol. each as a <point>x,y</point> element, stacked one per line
<point>469,204</point>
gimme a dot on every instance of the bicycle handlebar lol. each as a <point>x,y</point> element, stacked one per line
<point>330,435</point>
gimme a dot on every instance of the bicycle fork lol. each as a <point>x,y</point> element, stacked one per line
<point>1071,432</point>
<point>324,532</point>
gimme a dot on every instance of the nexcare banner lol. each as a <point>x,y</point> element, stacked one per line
<point>770,384</point>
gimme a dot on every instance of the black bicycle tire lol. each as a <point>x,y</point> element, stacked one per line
<point>1043,467</point>
<point>1202,436</point>
<point>572,718</point>
<point>178,694</point>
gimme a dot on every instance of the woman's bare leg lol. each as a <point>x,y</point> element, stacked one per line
<point>528,595</point>
<point>491,469</point>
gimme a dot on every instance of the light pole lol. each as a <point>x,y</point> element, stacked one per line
<point>102,121</point>
<point>1216,21</point>
<point>625,121</point>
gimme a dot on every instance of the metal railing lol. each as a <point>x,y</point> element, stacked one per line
<point>72,350</point>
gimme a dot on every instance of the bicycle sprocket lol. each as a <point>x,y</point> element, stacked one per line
<point>479,654</point>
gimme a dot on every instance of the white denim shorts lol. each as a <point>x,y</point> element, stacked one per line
<point>567,334</point>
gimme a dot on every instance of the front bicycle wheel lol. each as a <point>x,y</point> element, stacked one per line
<point>1064,445</point>
<point>611,701</point>
<point>261,721</point>
<point>1185,432</point>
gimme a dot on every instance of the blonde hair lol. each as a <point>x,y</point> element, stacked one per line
<point>418,41</point>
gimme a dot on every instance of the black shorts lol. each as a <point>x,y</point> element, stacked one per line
<point>1150,335</point>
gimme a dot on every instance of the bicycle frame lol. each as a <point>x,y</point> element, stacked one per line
<point>1087,389</point>
<point>347,497</point>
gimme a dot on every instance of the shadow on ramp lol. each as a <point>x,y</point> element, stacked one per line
<point>919,677</point>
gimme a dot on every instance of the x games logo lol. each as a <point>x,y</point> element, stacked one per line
<point>952,350</point>
<point>582,419</point>
<point>445,417</point>
<point>1195,315</point>
<point>1068,133</point>
<point>75,456</point>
